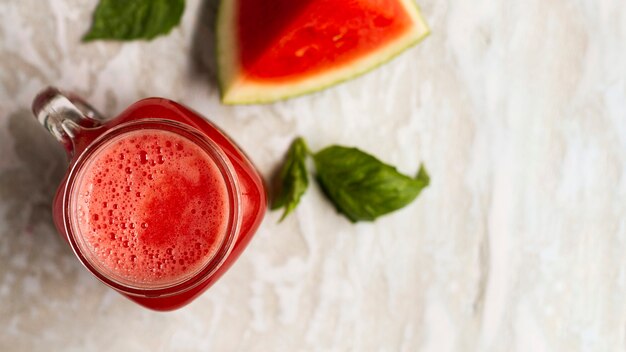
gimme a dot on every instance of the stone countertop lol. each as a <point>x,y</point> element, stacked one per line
<point>517,108</point>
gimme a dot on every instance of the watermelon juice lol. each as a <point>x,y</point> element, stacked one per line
<point>157,203</point>
<point>151,208</point>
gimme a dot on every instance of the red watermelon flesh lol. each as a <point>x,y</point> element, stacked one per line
<point>314,35</point>
<point>275,49</point>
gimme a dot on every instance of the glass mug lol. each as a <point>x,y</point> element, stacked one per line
<point>157,203</point>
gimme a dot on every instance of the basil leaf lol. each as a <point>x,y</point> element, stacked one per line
<point>361,186</point>
<point>134,19</point>
<point>293,178</point>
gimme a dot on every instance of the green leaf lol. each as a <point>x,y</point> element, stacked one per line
<point>361,186</point>
<point>134,19</point>
<point>293,178</point>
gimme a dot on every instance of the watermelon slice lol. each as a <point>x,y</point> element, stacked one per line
<point>275,49</point>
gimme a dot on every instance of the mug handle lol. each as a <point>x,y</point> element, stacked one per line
<point>64,115</point>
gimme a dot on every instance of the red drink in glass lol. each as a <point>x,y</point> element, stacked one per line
<point>157,202</point>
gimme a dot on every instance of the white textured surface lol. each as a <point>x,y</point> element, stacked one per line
<point>518,109</point>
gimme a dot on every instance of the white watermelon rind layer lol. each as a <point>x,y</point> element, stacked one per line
<point>236,89</point>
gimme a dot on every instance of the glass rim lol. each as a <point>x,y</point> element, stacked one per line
<point>231,182</point>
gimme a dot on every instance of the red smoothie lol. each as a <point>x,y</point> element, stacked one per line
<point>151,208</point>
<point>157,202</point>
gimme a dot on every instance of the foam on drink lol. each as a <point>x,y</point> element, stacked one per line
<point>152,207</point>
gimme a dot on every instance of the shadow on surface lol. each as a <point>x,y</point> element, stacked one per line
<point>203,60</point>
<point>274,183</point>
<point>27,188</point>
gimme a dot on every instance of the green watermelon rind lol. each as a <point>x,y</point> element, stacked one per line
<point>384,56</point>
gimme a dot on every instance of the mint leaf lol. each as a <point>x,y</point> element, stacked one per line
<point>134,19</point>
<point>293,178</point>
<point>361,186</point>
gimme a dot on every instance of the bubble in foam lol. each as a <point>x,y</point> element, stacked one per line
<point>143,157</point>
